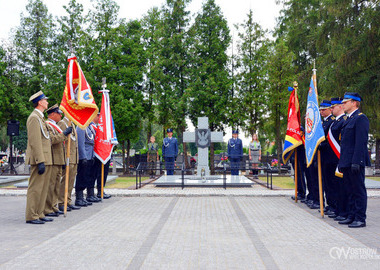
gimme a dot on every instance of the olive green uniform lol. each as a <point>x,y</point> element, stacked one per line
<point>63,124</point>
<point>58,155</point>
<point>152,157</point>
<point>38,150</point>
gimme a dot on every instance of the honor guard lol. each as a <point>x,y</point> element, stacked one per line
<point>39,157</point>
<point>97,169</point>
<point>328,162</point>
<point>86,160</point>
<point>96,166</point>
<point>353,159</point>
<point>152,154</point>
<point>73,166</point>
<point>57,137</point>
<point>333,138</point>
<point>169,151</point>
<point>235,152</point>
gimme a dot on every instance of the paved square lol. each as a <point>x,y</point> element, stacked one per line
<point>225,232</point>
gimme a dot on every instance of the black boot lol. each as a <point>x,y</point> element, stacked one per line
<point>79,200</point>
<point>91,196</point>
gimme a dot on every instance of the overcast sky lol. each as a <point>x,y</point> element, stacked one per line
<point>265,11</point>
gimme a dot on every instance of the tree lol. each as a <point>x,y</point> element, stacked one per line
<point>251,76</point>
<point>174,64</point>
<point>151,39</point>
<point>33,42</point>
<point>210,84</point>
<point>281,75</point>
<point>118,55</point>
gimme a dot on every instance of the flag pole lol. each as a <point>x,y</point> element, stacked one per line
<point>295,176</point>
<point>67,172</point>
<point>319,153</point>
<point>320,185</point>
<point>102,182</point>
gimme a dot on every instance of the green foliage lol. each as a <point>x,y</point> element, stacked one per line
<point>251,79</point>
<point>210,87</point>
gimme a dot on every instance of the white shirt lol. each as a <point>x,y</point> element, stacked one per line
<point>349,115</point>
<point>41,113</point>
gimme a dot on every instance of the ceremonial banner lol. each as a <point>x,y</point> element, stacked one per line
<point>105,138</point>
<point>314,133</point>
<point>293,132</point>
<point>78,102</point>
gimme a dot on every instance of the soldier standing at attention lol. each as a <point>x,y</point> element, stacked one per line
<point>152,155</point>
<point>334,141</point>
<point>57,137</point>
<point>38,156</point>
<point>169,151</point>
<point>73,165</point>
<point>235,152</point>
<point>353,159</point>
<point>327,158</point>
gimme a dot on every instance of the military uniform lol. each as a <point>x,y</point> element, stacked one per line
<point>235,153</point>
<point>329,163</point>
<point>152,156</point>
<point>86,159</point>
<point>334,138</point>
<point>353,159</point>
<point>38,155</point>
<point>73,165</point>
<point>58,159</point>
<point>169,152</point>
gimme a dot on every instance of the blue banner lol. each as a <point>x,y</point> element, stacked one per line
<point>314,133</point>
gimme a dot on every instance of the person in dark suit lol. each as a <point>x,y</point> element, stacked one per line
<point>328,161</point>
<point>353,159</point>
<point>334,141</point>
<point>169,151</point>
<point>235,152</point>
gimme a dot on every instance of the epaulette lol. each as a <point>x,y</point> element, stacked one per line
<point>345,117</point>
<point>332,118</point>
<point>360,113</point>
<point>340,136</point>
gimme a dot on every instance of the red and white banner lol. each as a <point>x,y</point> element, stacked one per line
<point>78,102</point>
<point>105,138</point>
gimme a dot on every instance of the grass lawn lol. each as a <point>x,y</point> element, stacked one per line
<point>125,182</point>
<point>281,182</point>
<point>374,178</point>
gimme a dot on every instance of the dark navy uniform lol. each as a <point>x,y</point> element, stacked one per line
<point>235,154</point>
<point>329,163</point>
<point>342,199</point>
<point>169,152</point>
<point>353,159</point>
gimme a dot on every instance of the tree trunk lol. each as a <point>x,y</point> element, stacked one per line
<point>377,160</point>
<point>278,139</point>
<point>123,155</point>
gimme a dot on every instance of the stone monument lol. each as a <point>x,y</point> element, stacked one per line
<point>203,137</point>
